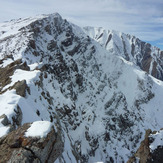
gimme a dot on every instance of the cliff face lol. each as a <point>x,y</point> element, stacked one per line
<point>101,103</point>
<point>142,54</point>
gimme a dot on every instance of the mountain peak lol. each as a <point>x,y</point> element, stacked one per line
<point>12,27</point>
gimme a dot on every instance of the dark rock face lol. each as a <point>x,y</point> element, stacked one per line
<point>5,120</point>
<point>21,88</point>
<point>17,118</point>
<point>145,154</point>
<point>109,38</point>
<point>15,147</point>
<point>156,156</point>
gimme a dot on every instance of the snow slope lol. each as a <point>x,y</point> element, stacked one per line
<point>149,58</point>
<point>102,103</point>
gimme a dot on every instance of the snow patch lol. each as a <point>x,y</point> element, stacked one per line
<point>39,129</point>
<point>6,62</point>
<point>22,75</point>
<point>8,102</point>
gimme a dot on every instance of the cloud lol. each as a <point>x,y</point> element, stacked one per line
<point>143,18</point>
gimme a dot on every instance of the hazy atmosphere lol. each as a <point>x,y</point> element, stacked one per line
<point>142,18</point>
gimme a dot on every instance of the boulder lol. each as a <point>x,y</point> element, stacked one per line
<point>21,88</point>
<point>5,120</point>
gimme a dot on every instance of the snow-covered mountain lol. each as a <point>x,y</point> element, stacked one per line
<point>51,70</point>
<point>149,58</point>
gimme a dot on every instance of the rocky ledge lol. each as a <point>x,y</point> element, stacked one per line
<point>18,147</point>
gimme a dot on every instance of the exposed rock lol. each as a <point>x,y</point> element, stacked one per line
<point>109,38</point>
<point>52,45</point>
<point>15,147</point>
<point>5,120</point>
<point>7,123</point>
<point>156,156</point>
<point>5,74</point>
<point>32,44</point>
<point>21,88</point>
<point>144,154</point>
<point>17,119</point>
<point>143,151</point>
<point>15,122</point>
<point>24,66</point>
<point>5,58</point>
<point>9,70</point>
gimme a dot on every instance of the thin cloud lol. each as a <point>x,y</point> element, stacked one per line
<point>161,43</point>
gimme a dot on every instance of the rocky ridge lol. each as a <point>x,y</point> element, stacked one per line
<point>149,58</point>
<point>15,147</point>
<point>53,71</point>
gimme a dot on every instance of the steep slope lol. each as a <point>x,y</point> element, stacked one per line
<point>144,55</point>
<point>102,103</point>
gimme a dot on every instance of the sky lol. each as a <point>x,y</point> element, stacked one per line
<point>141,18</point>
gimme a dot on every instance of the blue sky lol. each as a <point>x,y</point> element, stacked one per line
<point>142,18</point>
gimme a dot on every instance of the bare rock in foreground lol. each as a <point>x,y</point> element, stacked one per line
<point>15,147</point>
<point>150,150</point>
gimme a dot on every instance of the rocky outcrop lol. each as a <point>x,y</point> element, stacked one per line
<point>16,119</point>
<point>6,73</point>
<point>15,147</point>
<point>145,154</point>
<point>21,88</point>
<point>5,122</point>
